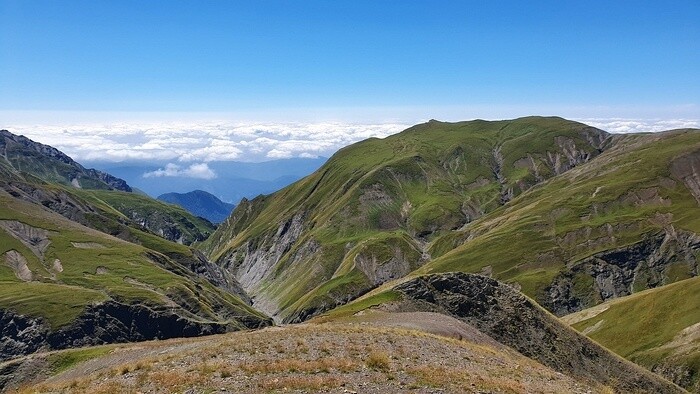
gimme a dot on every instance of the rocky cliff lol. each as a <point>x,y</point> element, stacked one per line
<point>510,318</point>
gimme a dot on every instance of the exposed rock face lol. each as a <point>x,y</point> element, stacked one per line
<point>36,239</point>
<point>687,169</point>
<point>218,276</point>
<point>254,260</point>
<point>507,316</point>
<point>110,322</point>
<point>18,264</point>
<point>620,272</point>
<point>17,149</point>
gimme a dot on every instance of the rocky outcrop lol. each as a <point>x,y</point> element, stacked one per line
<point>253,261</point>
<point>620,272</point>
<point>510,318</point>
<point>109,322</point>
<point>218,276</point>
<point>687,169</point>
<point>173,228</point>
<point>18,264</point>
<point>49,163</point>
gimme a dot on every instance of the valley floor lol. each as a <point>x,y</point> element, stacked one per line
<point>368,354</point>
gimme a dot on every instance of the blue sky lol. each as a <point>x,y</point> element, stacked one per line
<point>352,60</point>
<point>187,83</point>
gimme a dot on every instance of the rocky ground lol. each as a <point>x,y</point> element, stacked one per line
<point>377,354</point>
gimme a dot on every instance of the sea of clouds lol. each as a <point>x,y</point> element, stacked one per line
<point>187,147</point>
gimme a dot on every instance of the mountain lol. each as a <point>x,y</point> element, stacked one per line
<point>569,214</point>
<point>366,247</point>
<point>375,210</point>
<point>19,153</point>
<point>81,266</point>
<point>43,175</point>
<point>451,333</point>
<point>232,182</point>
<point>200,203</point>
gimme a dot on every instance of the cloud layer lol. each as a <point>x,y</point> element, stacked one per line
<point>192,144</point>
<point>640,126</point>
<point>201,142</point>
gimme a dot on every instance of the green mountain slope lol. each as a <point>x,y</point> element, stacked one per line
<point>49,164</point>
<point>63,285</point>
<point>370,213</point>
<point>626,221</point>
<point>81,266</point>
<point>41,174</point>
<point>657,328</point>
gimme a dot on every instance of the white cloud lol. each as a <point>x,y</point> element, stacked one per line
<point>201,142</point>
<point>616,125</point>
<point>199,171</point>
<point>206,141</point>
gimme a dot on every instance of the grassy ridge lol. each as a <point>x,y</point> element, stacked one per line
<point>657,328</point>
<point>97,267</point>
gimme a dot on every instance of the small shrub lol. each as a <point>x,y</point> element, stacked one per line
<point>378,361</point>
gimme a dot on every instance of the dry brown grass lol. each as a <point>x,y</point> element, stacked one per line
<point>319,358</point>
<point>326,364</point>
<point>378,360</point>
<point>457,378</point>
<point>301,383</point>
<point>175,380</point>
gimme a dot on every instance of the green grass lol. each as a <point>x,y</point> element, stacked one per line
<point>127,273</point>
<point>647,320</point>
<point>360,305</point>
<point>424,181</point>
<point>642,327</point>
<point>65,359</point>
<point>58,304</point>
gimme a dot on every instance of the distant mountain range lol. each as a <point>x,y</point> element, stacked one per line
<point>200,203</point>
<point>233,181</point>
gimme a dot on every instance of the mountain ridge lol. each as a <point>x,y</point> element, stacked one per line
<point>20,151</point>
<point>200,203</point>
<point>82,266</point>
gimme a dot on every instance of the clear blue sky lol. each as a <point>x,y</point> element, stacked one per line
<point>218,56</point>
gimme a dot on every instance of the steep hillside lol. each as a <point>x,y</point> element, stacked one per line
<point>657,328</point>
<point>81,267</point>
<point>51,165</point>
<point>450,332</point>
<point>627,221</point>
<point>200,203</point>
<point>429,196</point>
<point>65,285</point>
<point>505,315</point>
<point>43,175</point>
